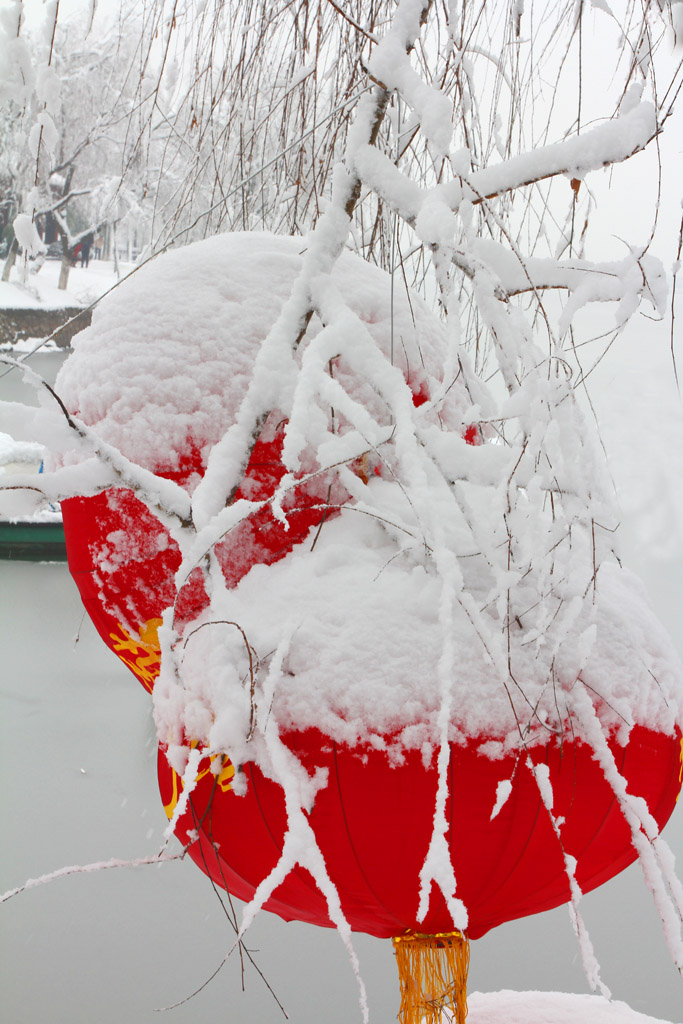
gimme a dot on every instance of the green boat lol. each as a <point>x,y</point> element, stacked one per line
<point>32,541</point>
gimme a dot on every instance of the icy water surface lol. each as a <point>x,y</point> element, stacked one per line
<point>13,387</point>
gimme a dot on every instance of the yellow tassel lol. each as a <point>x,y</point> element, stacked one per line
<point>432,973</point>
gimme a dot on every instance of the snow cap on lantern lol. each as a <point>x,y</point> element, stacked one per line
<point>170,353</point>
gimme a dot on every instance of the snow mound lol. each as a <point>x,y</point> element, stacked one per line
<point>507,1007</point>
<point>364,642</point>
<point>170,354</point>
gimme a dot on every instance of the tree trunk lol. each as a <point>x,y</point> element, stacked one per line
<point>67,256</point>
<point>67,250</point>
<point>11,259</point>
<point>117,270</point>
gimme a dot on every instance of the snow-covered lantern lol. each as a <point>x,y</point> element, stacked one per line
<point>349,751</point>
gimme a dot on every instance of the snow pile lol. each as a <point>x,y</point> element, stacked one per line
<point>170,354</point>
<point>507,1007</point>
<point>21,458</point>
<point>360,622</point>
<point>19,453</point>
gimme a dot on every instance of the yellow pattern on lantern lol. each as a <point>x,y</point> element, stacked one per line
<point>223,779</point>
<point>143,656</point>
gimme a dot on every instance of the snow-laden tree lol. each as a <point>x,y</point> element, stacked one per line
<point>70,151</point>
<point>463,146</point>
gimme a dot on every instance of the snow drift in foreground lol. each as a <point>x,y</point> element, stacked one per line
<point>507,1007</point>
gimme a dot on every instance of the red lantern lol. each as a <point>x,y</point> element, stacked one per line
<point>371,814</point>
<point>372,821</point>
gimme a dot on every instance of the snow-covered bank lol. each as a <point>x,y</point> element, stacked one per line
<point>40,291</point>
<point>13,388</point>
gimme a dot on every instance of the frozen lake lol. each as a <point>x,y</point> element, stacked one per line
<point>12,386</point>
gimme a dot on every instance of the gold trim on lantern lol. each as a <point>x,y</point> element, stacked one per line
<point>432,973</point>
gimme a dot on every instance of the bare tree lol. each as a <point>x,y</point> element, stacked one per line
<point>66,153</point>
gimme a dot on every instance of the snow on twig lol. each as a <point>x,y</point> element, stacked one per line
<point>591,967</point>
<point>602,146</point>
<point>438,866</point>
<point>75,869</point>
<point>159,494</point>
<point>654,854</point>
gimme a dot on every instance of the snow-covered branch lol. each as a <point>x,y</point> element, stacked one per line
<point>602,146</point>
<point>169,500</point>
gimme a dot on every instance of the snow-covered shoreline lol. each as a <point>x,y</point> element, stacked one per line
<point>40,291</point>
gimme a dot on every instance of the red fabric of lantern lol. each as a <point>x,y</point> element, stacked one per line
<point>124,562</point>
<point>373,824</point>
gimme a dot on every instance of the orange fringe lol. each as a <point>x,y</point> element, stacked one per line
<point>432,973</point>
